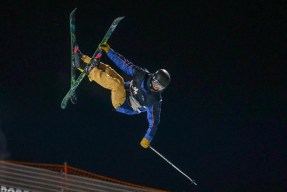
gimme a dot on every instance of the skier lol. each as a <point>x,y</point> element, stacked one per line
<point>141,94</point>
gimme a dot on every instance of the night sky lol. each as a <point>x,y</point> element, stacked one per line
<point>222,120</point>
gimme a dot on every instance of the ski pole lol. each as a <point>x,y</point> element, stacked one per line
<point>172,164</point>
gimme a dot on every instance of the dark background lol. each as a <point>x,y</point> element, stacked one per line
<point>222,121</point>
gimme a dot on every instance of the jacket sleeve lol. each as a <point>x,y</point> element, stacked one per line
<point>125,65</point>
<point>153,116</point>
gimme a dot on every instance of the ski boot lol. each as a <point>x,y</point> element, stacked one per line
<point>94,63</point>
<point>78,63</point>
<point>81,61</point>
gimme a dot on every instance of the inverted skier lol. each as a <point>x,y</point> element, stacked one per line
<point>141,94</point>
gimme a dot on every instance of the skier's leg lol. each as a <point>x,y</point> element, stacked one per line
<point>107,78</point>
<point>86,59</point>
<point>106,68</point>
<point>118,92</point>
<point>81,60</point>
<point>79,64</point>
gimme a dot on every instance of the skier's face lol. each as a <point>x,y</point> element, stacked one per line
<point>156,86</point>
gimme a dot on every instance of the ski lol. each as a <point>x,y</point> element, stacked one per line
<point>76,83</point>
<point>73,46</point>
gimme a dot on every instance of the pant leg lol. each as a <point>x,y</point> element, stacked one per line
<point>116,85</point>
<point>106,68</point>
<point>86,59</point>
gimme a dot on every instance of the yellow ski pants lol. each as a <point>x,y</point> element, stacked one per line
<point>108,78</point>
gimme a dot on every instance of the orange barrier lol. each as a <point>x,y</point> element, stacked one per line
<point>70,176</point>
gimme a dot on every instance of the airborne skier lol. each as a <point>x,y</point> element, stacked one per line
<point>141,94</point>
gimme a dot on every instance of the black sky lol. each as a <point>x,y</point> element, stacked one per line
<point>223,117</point>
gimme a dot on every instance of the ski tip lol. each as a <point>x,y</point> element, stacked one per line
<point>120,18</point>
<point>64,102</point>
<point>117,20</point>
<point>74,10</point>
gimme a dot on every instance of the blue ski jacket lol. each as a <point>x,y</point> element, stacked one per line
<point>139,89</point>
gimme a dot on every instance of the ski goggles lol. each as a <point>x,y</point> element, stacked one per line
<point>156,85</point>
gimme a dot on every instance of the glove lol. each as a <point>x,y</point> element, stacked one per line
<point>145,143</point>
<point>105,47</point>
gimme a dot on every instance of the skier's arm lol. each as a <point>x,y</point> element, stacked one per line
<point>125,65</point>
<point>153,116</point>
